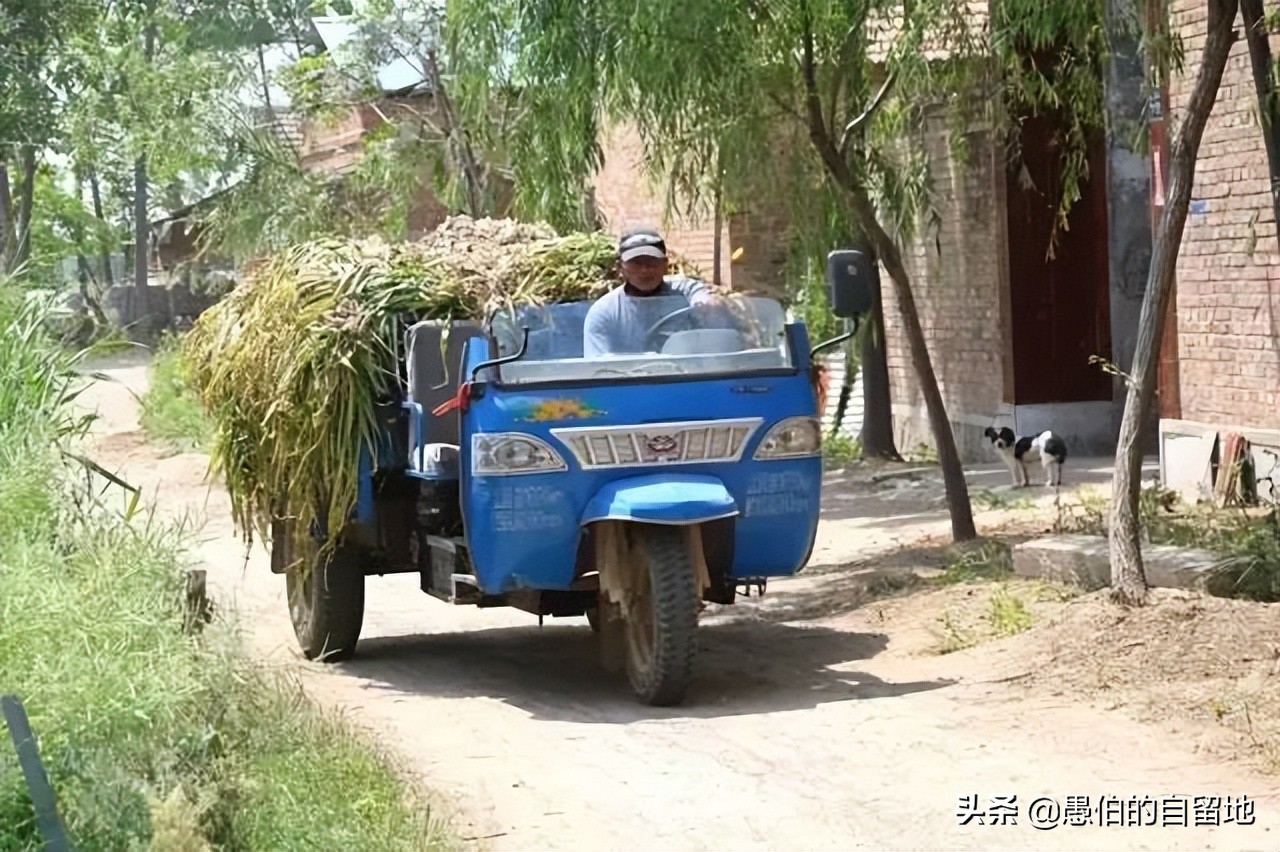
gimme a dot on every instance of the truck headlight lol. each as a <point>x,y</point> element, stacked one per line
<point>509,453</point>
<point>792,438</point>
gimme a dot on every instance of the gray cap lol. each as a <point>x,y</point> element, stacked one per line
<point>641,243</point>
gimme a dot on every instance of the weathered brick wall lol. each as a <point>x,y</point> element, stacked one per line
<point>762,237</point>
<point>959,293</point>
<point>626,199</point>
<point>1228,280</point>
<point>335,145</point>
<point>758,234</point>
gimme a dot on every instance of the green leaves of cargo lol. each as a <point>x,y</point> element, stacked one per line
<point>292,363</point>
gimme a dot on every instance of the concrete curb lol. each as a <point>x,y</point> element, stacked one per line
<point>1083,560</point>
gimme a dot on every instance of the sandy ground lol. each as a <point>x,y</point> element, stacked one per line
<point>820,718</point>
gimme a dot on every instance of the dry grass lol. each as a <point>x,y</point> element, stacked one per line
<point>292,365</point>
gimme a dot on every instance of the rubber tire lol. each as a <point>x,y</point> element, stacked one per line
<point>330,613</point>
<point>593,618</point>
<point>662,679</point>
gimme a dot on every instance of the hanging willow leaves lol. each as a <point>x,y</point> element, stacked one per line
<point>739,89</point>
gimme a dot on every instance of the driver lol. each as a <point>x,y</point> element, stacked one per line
<point>620,319</point>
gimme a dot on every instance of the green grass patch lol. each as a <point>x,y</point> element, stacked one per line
<point>1009,615</point>
<point>980,561</point>
<point>986,498</point>
<point>170,412</point>
<point>840,451</point>
<point>955,637</point>
<point>922,453</point>
<point>152,736</point>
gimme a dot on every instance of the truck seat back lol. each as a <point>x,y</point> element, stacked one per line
<point>433,381</point>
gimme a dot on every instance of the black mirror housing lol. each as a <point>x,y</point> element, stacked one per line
<point>853,277</point>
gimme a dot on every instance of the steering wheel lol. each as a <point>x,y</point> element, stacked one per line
<point>679,312</point>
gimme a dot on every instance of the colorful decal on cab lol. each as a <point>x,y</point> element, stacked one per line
<point>546,410</point>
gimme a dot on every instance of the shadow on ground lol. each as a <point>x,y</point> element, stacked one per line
<point>553,672</point>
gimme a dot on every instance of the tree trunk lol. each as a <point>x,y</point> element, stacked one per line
<point>962,528</point>
<point>266,87</point>
<point>141,225</point>
<point>90,301</point>
<point>1128,579</point>
<point>846,384</point>
<point>26,201</point>
<point>6,218</point>
<point>105,258</point>
<point>1255,32</point>
<point>863,217</point>
<point>457,139</point>
<point>877,411</point>
<point>141,237</point>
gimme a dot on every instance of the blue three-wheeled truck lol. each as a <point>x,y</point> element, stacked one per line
<point>627,488</point>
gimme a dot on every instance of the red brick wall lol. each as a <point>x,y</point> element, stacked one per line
<point>626,199</point>
<point>334,146</point>
<point>762,238</point>
<point>759,234</point>
<point>959,293</point>
<point>1228,276</point>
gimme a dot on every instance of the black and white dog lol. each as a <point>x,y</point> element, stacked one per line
<point>1050,449</point>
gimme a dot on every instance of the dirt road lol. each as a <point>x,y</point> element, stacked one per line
<point>805,729</point>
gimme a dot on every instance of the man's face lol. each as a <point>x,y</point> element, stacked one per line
<point>644,273</point>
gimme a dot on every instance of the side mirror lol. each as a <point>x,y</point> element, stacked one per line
<point>852,278</point>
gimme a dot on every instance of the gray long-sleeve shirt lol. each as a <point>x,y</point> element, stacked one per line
<point>618,321</point>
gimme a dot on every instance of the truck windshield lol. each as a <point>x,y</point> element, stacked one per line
<point>651,336</point>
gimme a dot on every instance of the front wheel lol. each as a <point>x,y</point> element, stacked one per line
<point>326,602</point>
<point>660,626</point>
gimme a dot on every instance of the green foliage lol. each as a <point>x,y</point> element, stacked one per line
<point>170,412</point>
<point>149,733</point>
<point>278,203</point>
<point>988,499</point>
<point>63,226</point>
<point>955,636</point>
<point>34,64</point>
<point>38,389</point>
<point>718,93</point>
<point>1050,57</point>
<point>315,88</point>
<point>839,451</point>
<point>984,560</point>
<point>1009,615</point>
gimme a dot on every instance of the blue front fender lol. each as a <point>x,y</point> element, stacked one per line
<point>662,499</point>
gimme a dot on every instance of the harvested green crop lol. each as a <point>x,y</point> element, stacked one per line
<point>292,363</point>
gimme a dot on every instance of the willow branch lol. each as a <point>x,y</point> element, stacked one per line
<point>866,114</point>
<point>842,61</point>
<point>813,102</point>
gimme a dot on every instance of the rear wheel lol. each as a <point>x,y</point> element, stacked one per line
<point>326,601</point>
<point>660,626</point>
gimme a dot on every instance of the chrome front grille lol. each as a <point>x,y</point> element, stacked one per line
<point>688,442</point>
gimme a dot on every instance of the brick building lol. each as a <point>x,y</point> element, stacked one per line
<point>626,198</point>
<point>335,147</point>
<point>1010,332</point>
<point>1225,326</point>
